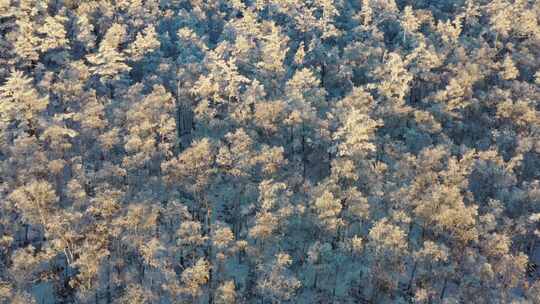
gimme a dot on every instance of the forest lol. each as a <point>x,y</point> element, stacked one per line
<point>269,151</point>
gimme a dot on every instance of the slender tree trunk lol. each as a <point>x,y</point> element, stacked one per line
<point>26,228</point>
<point>336,275</point>
<point>329,162</point>
<point>531,246</point>
<point>304,158</point>
<point>409,237</point>
<point>184,121</point>
<point>291,141</point>
<point>413,273</point>
<point>108,291</point>
<point>323,74</point>
<point>443,289</point>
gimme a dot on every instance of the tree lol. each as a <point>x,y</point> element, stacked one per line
<point>193,168</point>
<point>146,42</point>
<point>274,209</point>
<point>151,127</point>
<point>137,295</point>
<point>387,243</point>
<point>409,22</point>
<point>109,62</point>
<point>306,102</point>
<point>356,128</point>
<point>195,277</point>
<point>328,210</point>
<point>273,51</point>
<point>84,33</point>
<point>276,283</point>
<point>7,25</point>
<point>37,201</point>
<point>55,37</point>
<point>509,70</point>
<point>21,103</point>
<point>26,42</point>
<point>226,293</point>
<point>394,78</point>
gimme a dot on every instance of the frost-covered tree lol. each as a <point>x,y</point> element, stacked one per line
<point>269,151</point>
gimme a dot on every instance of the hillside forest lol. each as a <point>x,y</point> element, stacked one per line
<point>269,151</point>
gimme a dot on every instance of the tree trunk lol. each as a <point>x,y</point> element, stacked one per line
<point>184,121</point>
<point>26,228</point>
<point>413,273</point>
<point>304,158</point>
<point>108,291</point>
<point>443,289</point>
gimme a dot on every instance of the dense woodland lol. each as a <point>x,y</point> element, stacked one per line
<point>269,151</point>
